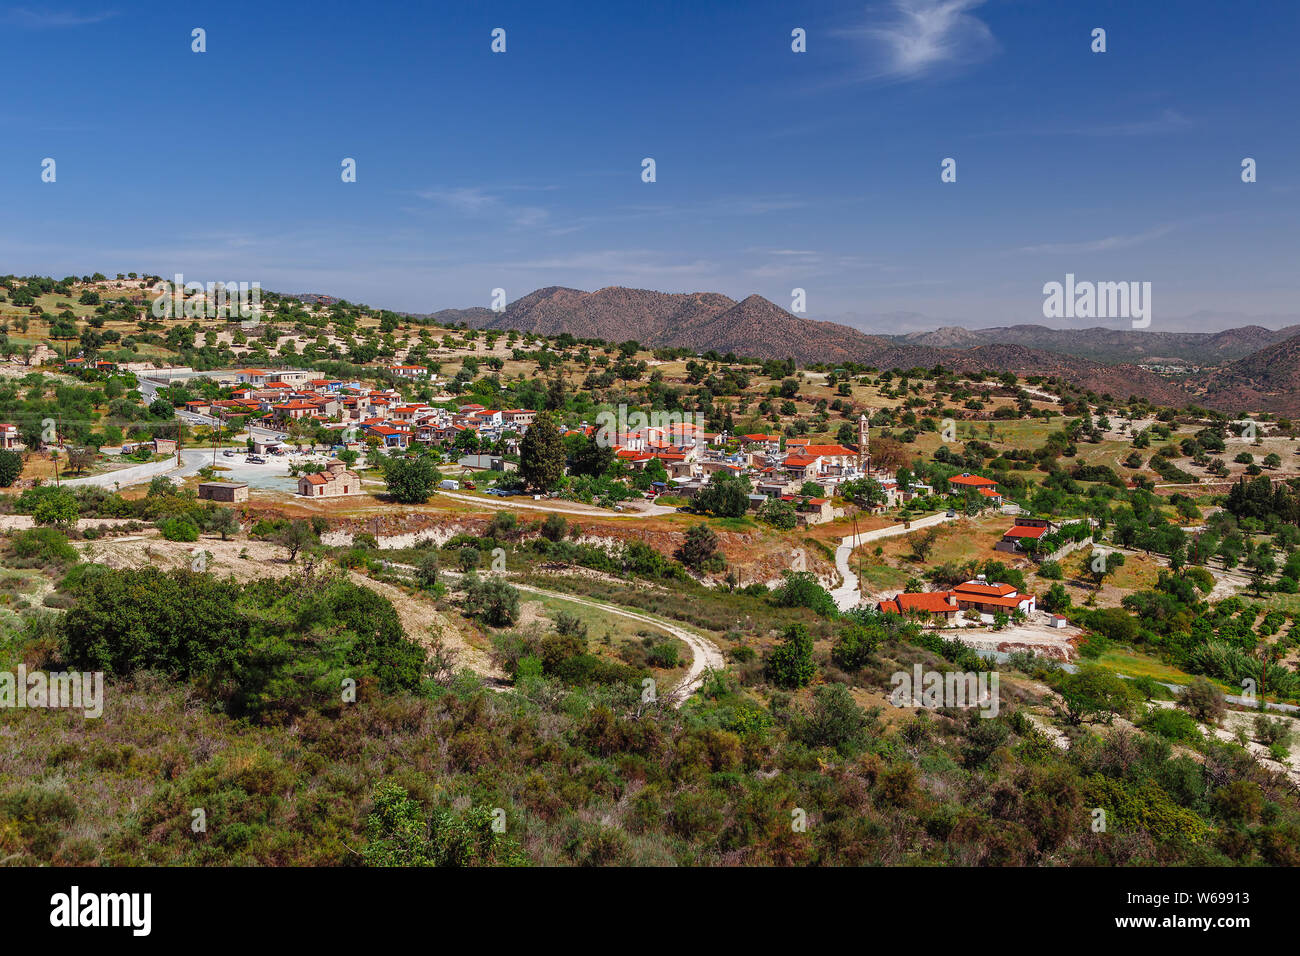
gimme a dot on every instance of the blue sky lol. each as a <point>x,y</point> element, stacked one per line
<point>775,170</point>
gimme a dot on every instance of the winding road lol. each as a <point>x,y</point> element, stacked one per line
<point>847,596</point>
<point>705,655</point>
<point>192,459</point>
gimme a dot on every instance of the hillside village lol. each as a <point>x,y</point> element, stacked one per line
<point>764,541</point>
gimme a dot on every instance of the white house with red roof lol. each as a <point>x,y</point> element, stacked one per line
<point>976,596</point>
<point>1024,527</point>
<point>966,481</point>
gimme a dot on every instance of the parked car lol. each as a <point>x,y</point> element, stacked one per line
<point>448,485</point>
<point>471,486</point>
<point>952,513</point>
<point>228,453</point>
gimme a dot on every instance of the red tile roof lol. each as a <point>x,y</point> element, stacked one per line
<point>833,450</point>
<point>935,602</point>
<point>1025,531</point>
<point>974,587</point>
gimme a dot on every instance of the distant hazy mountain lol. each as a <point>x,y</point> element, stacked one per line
<point>1116,345</point>
<point>1268,379</point>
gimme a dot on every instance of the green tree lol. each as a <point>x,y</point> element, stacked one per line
<point>296,536</point>
<point>699,548</point>
<point>591,457</point>
<point>725,496</point>
<point>834,720</point>
<point>411,481</point>
<point>541,454</point>
<point>58,508</point>
<point>554,528</point>
<point>1093,694</point>
<point>225,522</point>
<point>492,601</point>
<point>1057,599</point>
<point>853,648</point>
<point>11,467</point>
<point>426,569</point>
<point>1203,701</point>
<point>790,665</point>
<point>777,513</point>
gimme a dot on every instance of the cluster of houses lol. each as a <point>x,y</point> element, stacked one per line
<point>358,411</point>
<point>977,597</point>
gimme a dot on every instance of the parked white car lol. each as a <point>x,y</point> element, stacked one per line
<point>448,485</point>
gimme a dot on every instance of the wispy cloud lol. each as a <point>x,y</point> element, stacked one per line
<point>479,202</point>
<point>1170,121</point>
<point>1104,244</point>
<point>919,37</point>
<point>43,18</point>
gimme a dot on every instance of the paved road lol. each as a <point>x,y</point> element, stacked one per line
<point>192,459</point>
<point>847,596</point>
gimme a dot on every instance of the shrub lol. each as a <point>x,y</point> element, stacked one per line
<point>1272,732</point>
<point>554,528</point>
<point>777,513</point>
<point>467,558</point>
<point>1171,724</point>
<point>664,655</point>
<point>44,545</point>
<point>426,569</point>
<point>11,466</point>
<point>699,548</point>
<point>179,529</point>
<point>493,602</point>
<point>834,720</point>
<point>854,647</point>
<point>790,664</point>
<point>800,589</point>
<point>1203,701</point>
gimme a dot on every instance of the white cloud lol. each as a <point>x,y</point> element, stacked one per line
<point>921,36</point>
<point>1104,244</point>
<point>478,202</point>
<point>46,19</point>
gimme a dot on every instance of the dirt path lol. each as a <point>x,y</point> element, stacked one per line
<point>705,655</point>
<point>420,619</point>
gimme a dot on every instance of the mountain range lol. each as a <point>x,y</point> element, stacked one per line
<point>1246,368</point>
<point>758,328</point>
<point>1116,345</point>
